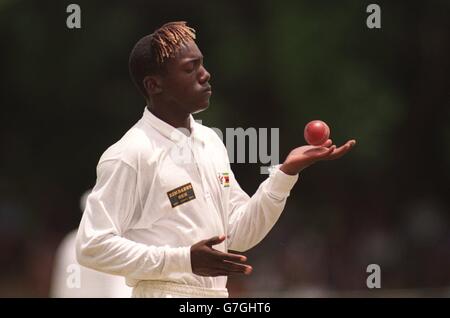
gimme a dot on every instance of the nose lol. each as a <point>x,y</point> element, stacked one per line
<point>204,75</point>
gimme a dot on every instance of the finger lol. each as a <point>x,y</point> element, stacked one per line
<point>219,272</point>
<point>215,240</point>
<point>325,153</point>
<point>339,152</point>
<point>231,257</point>
<point>236,267</point>
<point>327,143</point>
<point>228,273</point>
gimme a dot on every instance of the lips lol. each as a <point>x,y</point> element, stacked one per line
<point>207,90</point>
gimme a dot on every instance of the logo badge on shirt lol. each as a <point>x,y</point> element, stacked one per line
<point>224,179</point>
<point>181,195</point>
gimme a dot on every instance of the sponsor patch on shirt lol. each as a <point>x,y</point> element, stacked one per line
<point>181,195</point>
<point>224,179</point>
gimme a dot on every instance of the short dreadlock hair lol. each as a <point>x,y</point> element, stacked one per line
<point>152,51</point>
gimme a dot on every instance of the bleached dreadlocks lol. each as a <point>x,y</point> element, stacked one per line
<point>152,51</point>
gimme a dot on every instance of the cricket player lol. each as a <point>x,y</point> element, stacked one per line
<point>166,206</point>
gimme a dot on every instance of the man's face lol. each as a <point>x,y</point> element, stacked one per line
<point>186,80</point>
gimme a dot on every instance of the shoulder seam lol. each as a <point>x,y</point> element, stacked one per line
<point>118,159</point>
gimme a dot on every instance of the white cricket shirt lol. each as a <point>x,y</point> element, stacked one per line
<point>158,192</point>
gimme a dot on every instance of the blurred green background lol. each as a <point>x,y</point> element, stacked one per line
<point>66,96</point>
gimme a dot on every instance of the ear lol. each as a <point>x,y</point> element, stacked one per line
<point>152,84</point>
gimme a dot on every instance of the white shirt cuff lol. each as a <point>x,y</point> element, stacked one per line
<point>178,260</point>
<point>280,184</point>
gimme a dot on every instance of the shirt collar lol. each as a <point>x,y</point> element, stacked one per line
<point>170,132</point>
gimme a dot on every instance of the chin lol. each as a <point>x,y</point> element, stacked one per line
<point>201,108</point>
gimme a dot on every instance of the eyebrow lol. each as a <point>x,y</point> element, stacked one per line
<point>194,59</point>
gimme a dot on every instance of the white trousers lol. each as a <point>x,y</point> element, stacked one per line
<point>160,289</point>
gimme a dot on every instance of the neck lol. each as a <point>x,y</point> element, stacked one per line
<point>175,119</point>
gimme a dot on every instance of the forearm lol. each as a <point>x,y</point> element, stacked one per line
<point>252,220</point>
<point>116,255</point>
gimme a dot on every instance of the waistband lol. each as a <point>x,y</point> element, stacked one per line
<point>182,290</point>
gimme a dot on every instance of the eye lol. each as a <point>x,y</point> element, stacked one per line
<point>189,68</point>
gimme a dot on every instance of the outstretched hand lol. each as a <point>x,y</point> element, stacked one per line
<point>304,156</point>
<point>207,261</point>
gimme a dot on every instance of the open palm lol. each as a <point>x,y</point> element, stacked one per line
<point>304,156</point>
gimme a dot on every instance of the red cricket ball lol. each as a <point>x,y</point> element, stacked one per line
<point>316,132</point>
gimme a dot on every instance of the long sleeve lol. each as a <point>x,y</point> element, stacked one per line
<point>100,243</point>
<point>250,219</point>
